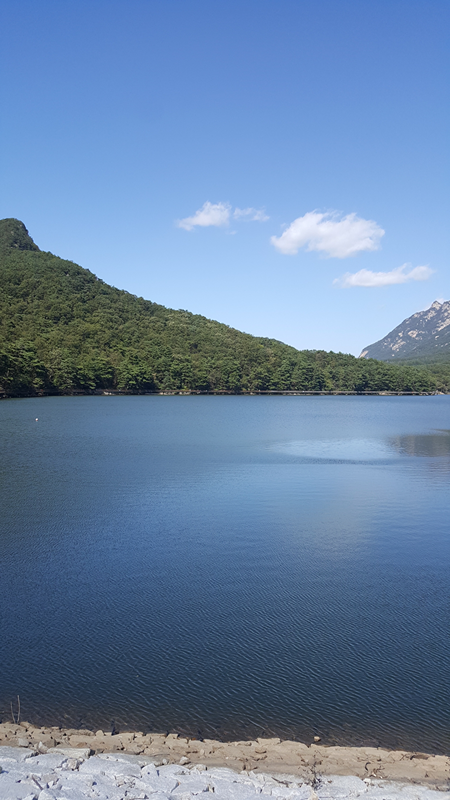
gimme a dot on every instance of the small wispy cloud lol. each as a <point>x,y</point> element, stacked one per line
<point>367,278</point>
<point>251,214</point>
<point>330,233</point>
<point>218,215</point>
<point>210,214</point>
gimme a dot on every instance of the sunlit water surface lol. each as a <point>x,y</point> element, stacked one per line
<point>228,566</point>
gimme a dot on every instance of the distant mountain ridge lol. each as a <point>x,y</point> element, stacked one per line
<point>423,336</point>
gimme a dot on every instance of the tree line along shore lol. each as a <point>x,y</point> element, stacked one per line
<point>64,331</point>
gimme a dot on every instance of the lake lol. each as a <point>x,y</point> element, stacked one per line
<point>228,567</point>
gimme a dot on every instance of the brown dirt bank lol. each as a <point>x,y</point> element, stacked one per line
<point>261,755</point>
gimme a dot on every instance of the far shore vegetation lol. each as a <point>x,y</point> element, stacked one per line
<point>64,331</point>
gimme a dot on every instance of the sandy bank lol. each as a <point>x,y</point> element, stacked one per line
<point>260,756</point>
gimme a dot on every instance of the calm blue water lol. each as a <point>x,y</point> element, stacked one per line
<point>228,566</point>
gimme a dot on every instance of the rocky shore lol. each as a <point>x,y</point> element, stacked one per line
<point>284,769</point>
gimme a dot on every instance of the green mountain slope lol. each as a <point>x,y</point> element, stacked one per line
<point>64,330</point>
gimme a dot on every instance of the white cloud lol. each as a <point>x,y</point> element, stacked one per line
<point>365,277</point>
<point>216,214</point>
<point>219,215</point>
<point>252,214</point>
<point>330,233</point>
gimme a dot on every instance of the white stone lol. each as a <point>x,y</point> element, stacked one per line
<point>223,773</point>
<point>45,762</point>
<point>150,772</point>
<point>165,783</point>
<point>22,742</point>
<point>113,767</point>
<point>143,789</point>
<point>72,783</point>
<point>71,752</point>
<point>14,754</point>
<point>287,792</point>
<point>10,789</point>
<point>341,786</point>
<point>235,790</point>
<point>104,788</point>
<point>173,769</point>
<point>129,758</point>
<point>190,784</point>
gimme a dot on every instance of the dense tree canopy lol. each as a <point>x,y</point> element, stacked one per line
<point>63,330</point>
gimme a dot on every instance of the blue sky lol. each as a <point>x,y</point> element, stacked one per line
<point>309,138</point>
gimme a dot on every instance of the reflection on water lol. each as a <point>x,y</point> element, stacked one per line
<point>337,449</point>
<point>429,445</point>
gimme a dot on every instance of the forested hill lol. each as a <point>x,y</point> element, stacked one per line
<point>63,330</point>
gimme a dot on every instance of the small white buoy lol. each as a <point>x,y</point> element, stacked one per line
<point>36,419</point>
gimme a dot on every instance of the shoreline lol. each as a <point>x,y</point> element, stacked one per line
<point>259,756</point>
<point>225,393</point>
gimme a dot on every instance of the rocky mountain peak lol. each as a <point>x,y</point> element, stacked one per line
<point>14,235</point>
<point>423,335</point>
